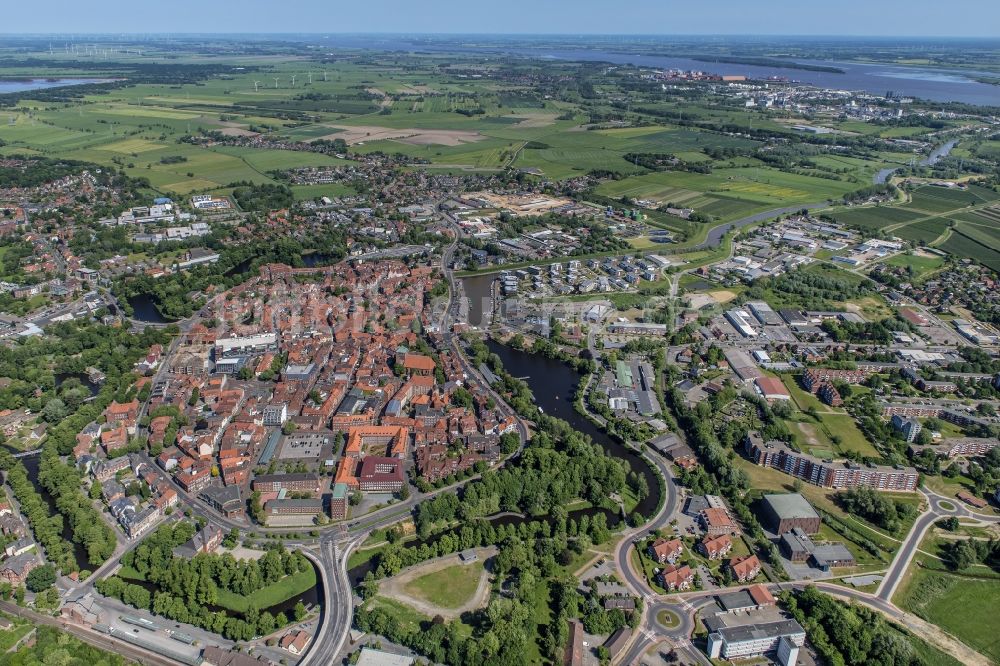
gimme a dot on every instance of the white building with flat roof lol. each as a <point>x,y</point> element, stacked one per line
<point>741,322</point>
<point>784,637</point>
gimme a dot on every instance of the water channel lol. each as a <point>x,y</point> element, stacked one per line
<point>31,464</point>
<point>936,156</point>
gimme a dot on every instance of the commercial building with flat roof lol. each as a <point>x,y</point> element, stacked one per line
<point>296,482</point>
<point>754,640</point>
<point>764,314</point>
<point>784,512</point>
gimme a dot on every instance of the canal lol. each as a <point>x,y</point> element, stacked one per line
<point>477,291</point>
<point>31,464</point>
<point>143,309</point>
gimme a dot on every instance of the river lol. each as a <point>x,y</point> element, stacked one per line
<point>930,83</point>
<point>936,156</point>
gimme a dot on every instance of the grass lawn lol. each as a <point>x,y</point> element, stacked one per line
<point>802,398</point>
<point>641,562</point>
<point>269,595</point>
<point>451,587</point>
<point>851,438</point>
<point>13,635</point>
<point>668,619</point>
<point>768,480</point>
<point>407,618</point>
<point>964,607</point>
<point>920,265</point>
<point>541,616</point>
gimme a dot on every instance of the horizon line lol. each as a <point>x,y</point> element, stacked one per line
<point>125,34</point>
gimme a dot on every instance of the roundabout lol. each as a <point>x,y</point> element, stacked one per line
<point>668,619</point>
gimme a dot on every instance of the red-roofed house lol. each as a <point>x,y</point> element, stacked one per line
<point>677,578</point>
<point>114,439</point>
<point>717,521</point>
<point>418,364</point>
<point>126,413</point>
<point>761,595</point>
<point>663,550</point>
<point>715,548</point>
<point>745,568</point>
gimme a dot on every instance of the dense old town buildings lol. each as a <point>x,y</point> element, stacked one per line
<point>313,384</point>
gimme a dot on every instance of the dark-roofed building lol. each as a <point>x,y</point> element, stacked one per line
<point>381,474</point>
<point>752,598</point>
<point>15,570</point>
<point>294,507</point>
<point>204,541</point>
<point>296,482</point>
<point>784,512</point>
<point>617,642</point>
<point>798,547</point>
<point>224,499</point>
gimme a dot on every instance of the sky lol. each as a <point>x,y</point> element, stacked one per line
<point>956,18</point>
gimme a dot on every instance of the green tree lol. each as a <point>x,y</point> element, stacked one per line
<point>41,578</point>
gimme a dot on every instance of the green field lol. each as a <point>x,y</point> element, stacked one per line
<point>921,265</point>
<point>269,595</point>
<point>874,217</point>
<point>13,635</point>
<point>964,607</point>
<point>451,587</point>
<point>965,223</point>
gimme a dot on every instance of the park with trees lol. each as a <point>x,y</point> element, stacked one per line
<point>215,592</point>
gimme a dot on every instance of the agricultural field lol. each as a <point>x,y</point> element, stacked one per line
<point>965,223</point>
<point>962,245</point>
<point>874,217</point>
<point>935,199</point>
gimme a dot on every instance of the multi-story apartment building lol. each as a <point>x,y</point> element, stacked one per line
<point>828,473</point>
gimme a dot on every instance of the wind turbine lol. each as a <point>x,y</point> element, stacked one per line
<point>324,76</point>
<point>255,84</point>
<point>293,80</point>
<point>276,82</point>
<point>310,78</point>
